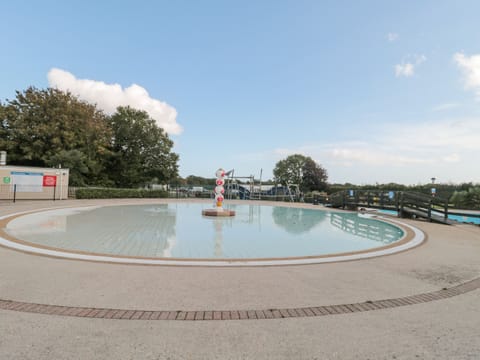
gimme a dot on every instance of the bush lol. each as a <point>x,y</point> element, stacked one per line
<point>469,199</point>
<point>111,193</point>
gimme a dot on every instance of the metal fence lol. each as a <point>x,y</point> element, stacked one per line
<point>177,191</point>
<point>14,192</point>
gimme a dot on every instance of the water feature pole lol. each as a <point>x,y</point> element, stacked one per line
<point>218,209</point>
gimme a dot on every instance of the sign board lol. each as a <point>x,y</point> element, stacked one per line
<point>49,180</point>
<point>6,179</point>
<point>27,181</point>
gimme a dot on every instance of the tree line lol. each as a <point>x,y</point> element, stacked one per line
<point>52,128</point>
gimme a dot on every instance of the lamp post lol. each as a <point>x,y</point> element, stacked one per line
<point>434,191</point>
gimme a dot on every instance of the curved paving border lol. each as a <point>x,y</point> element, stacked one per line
<point>123,314</point>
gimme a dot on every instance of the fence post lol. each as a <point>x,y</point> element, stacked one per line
<point>430,210</point>
<point>400,211</point>
<point>446,210</point>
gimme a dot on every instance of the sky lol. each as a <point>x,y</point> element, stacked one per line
<point>373,91</point>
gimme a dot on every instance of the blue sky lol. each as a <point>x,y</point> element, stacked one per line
<point>374,91</point>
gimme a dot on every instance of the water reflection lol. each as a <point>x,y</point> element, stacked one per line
<point>132,230</point>
<point>366,227</point>
<point>46,222</point>
<point>295,220</point>
<point>219,224</point>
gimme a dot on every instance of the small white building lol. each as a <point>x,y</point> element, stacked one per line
<point>25,182</point>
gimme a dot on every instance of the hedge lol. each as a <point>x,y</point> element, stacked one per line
<point>111,193</point>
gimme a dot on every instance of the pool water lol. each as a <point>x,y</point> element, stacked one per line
<point>178,230</point>
<point>459,218</point>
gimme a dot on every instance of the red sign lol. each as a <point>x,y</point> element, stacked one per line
<point>49,180</point>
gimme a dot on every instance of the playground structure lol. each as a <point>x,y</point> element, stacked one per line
<point>249,188</point>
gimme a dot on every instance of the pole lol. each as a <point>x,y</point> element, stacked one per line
<point>445,217</point>
<point>260,196</point>
<point>14,192</point>
<point>54,188</point>
<point>61,186</point>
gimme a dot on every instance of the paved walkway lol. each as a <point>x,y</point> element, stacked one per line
<point>421,303</point>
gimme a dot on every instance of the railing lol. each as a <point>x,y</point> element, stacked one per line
<point>407,204</point>
<point>14,192</point>
<point>365,198</point>
<point>421,205</point>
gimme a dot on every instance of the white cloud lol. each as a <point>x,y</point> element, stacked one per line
<point>452,158</point>
<point>439,136</point>
<point>405,153</point>
<point>372,156</point>
<point>446,106</point>
<point>109,96</point>
<point>392,37</point>
<point>470,67</point>
<point>407,69</point>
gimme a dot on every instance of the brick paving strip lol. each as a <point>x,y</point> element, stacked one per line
<point>123,314</point>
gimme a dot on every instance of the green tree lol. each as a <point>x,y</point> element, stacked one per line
<point>289,170</point>
<point>301,170</point>
<point>314,176</point>
<point>198,180</point>
<point>41,127</point>
<point>3,127</point>
<point>78,163</point>
<point>141,151</point>
<point>467,199</point>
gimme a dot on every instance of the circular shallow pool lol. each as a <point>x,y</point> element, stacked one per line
<point>176,231</point>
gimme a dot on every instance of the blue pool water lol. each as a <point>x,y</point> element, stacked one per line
<point>178,230</point>
<point>459,218</point>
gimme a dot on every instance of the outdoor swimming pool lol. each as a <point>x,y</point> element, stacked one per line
<point>178,231</point>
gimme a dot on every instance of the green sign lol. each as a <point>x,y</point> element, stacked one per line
<point>6,179</point>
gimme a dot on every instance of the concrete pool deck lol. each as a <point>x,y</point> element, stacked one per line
<point>445,328</point>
